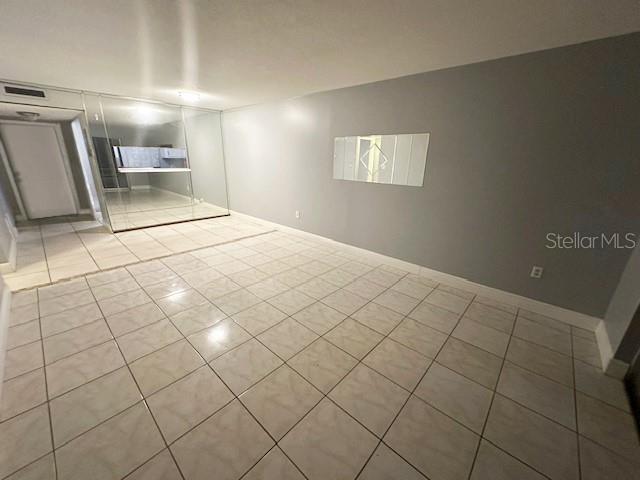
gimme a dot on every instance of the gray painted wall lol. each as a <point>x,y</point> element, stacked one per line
<point>521,146</point>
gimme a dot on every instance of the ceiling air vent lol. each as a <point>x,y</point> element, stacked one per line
<point>24,92</point>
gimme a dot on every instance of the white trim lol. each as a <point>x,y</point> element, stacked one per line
<point>10,265</point>
<point>565,315</point>
<point>5,308</point>
<point>610,365</point>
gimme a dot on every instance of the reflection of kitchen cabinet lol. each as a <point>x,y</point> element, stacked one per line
<point>150,157</point>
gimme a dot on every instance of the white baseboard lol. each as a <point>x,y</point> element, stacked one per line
<point>565,315</point>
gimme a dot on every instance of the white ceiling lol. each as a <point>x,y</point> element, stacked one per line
<point>240,52</point>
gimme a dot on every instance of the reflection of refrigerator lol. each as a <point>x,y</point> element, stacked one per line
<point>106,163</point>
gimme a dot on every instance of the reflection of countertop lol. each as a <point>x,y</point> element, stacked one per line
<point>152,170</point>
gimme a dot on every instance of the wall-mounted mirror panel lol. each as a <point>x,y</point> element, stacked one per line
<point>148,167</point>
<point>392,159</point>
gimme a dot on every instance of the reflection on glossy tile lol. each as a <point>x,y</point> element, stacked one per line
<point>280,400</point>
<point>180,301</point>
<point>24,439</point>
<point>185,403</point>
<point>112,449</point>
<point>370,398</point>
<point>233,440</point>
<point>81,409</point>
<point>328,444</point>
<point>457,396</point>
<point>322,364</point>
<point>494,464</point>
<point>439,447</point>
<point>245,365</point>
<point>545,445</point>
<point>197,318</point>
<point>222,337</point>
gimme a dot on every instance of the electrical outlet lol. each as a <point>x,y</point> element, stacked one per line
<point>298,214</point>
<point>536,272</point>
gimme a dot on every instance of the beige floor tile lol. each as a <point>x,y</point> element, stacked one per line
<point>494,464</point>
<point>492,302</point>
<point>292,278</point>
<point>185,403</point>
<point>382,277</point>
<point>245,365</point>
<point>75,317</point>
<point>544,320</point>
<point>280,400</point>
<point>233,440</point>
<point>322,364</point>
<point>80,409</point>
<point>181,301</point>
<point>317,288</point>
<point>408,286</point>
<point>435,317</point>
<point>487,338</point>
<point>236,302</point>
<point>545,445</point>
<point>109,276</point>
<point>218,288</point>
<point>22,334</point>
<point>259,318</point>
<point>22,360</point>
<point>419,337</point>
<point>345,301</point>
<point>354,338</point>
<point>78,369</point>
<point>197,318</point>
<point>24,439</point>
<point>274,466</point>
<point>543,335</point>
<point>287,338</point>
<point>549,398</point>
<point>328,444</point>
<point>18,282</point>
<point>112,449</point>
<point>462,399</point>
<point>125,301</point>
<point>112,289</point>
<point>587,351</point>
<point>23,314</point>
<point>160,467</point>
<point>364,288</point>
<point>491,317</point>
<point>134,318</point>
<point>396,301</point>
<point>385,464</point>
<point>448,301</point>
<point>319,317</point>
<point>594,382</point>
<point>65,302</point>
<point>541,360</point>
<point>222,337</point>
<point>73,341</point>
<point>167,287</point>
<point>398,363</point>
<point>598,463</point>
<point>164,366</point>
<point>608,426</point>
<point>22,393</point>
<point>147,339</point>
<point>248,277</point>
<point>378,317</point>
<point>42,469</point>
<point>370,398</point>
<point>438,446</point>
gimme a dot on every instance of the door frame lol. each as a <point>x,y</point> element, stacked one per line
<point>65,163</point>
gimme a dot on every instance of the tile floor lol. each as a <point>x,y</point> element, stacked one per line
<point>52,252</point>
<point>276,357</point>
<point>144,208</point>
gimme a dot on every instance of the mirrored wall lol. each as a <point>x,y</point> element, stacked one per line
<point>158,164</point>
